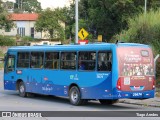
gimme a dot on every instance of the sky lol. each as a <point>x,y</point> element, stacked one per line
<point>51,3</point>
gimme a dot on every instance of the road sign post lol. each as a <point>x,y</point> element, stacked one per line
<point>76,17</point>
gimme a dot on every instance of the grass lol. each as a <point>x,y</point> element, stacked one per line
<point>1,65</point>
<point>1,54</point>
<point>1,62</point>
<point>157,94</point>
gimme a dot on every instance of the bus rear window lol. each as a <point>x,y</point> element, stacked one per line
<point>144,53</point>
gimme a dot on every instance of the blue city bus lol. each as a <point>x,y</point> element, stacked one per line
<point>106,72</point>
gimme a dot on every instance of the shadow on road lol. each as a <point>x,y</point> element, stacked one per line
<point>48,99</point>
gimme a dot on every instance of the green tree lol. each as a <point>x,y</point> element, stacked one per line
<point>6,41</point>
<point>49,21</point>
<point>69,18</point>
<point>27,6</point>
<point>145,28</point>
<point>69,14</point>
<point>5,22</point>
<point>109,17</point>
<point>8,5</point>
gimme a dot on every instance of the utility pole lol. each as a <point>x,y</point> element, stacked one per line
<point>18,3</point>
<point>76,20</point>
<point>21,5</point>
<point>145,7</point>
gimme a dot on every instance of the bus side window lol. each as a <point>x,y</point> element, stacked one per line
<point>23,60</point>
<point>36,59</point>
<point>68,60</point>
<point>52,60</point>
<point>88,59</point>
<point>104,61</point>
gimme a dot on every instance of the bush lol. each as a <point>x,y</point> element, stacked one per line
<point>27,38</point>
<point>145,29</point>
<point>7,41</point>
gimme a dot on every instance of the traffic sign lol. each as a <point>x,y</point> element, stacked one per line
<point>82,42</point>
<point>99,38</point>
<point>83,34</point>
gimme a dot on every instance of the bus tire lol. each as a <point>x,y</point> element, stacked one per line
<point>22,89</point>
<point>75,96</point>
<point>108,102</point>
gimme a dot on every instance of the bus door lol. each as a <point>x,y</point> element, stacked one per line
<point>9,72</point>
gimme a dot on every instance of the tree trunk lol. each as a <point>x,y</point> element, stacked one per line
<point>51,33</point>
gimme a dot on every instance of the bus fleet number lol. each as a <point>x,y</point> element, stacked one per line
<point>137,94</point>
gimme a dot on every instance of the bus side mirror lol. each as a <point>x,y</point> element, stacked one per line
<point>4,61</point>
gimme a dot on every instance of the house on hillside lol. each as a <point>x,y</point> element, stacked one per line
<point>24,26</point>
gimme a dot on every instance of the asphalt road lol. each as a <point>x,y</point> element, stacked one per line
<point>10,101</point>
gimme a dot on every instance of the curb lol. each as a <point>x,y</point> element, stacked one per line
<point>142,104</point>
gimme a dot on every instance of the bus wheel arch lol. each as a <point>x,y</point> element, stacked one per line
<point>75,95</point>
<point>71,85</point>
<point>17,83</point>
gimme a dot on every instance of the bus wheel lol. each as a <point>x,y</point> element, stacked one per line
<point>75,96</point>
<point>22,90</point>
<point>108,102</point>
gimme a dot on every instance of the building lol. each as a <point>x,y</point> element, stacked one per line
<point>44,42</point>
<point>24,25</point>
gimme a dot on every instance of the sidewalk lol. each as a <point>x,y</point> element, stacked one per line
<point>153,102</point>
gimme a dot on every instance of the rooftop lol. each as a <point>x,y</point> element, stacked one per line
<point>24,17</point>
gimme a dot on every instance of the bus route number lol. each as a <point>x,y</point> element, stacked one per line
<point>137,94</point>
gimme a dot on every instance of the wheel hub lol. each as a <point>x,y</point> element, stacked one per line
<point>21,89</point>
<point>74,96</point>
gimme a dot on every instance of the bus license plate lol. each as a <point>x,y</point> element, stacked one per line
<point>137,94</point>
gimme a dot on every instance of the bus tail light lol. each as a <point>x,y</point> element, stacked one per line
<point>153,81</point>
<point>119,84</point>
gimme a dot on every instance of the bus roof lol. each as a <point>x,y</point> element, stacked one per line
<point>100,46</point>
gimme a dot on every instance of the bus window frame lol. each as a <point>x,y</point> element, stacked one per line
<point>95,69</point>
<point>143,54</point>
<point>111,61</point>
<point>68,60</point>
<point>28,60</point>
<point>54,60</point>
<point>31,60</point>
<point>6,67</point>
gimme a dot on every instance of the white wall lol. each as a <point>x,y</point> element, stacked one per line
<point>27,25</point>
<point>45,43</point>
